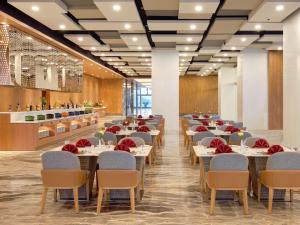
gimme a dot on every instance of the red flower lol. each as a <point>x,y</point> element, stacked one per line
<point>223,149</point>
<point>122,147</point>
<point>143,129</point>
<point>128,142</point>
<point>215,143</point>
<point>141,123</point>
<point>195,116</point>
<point>201,129</point>
<point>110,130</point>
<point>229,128</point>
<point>261,143</point>
<point>140,116</point>
<point>220,122</point>
<point>116,128</point>
<point>83,143</point>
<point>234,129</point>
<point>274,149</point>
<point>151,116</point>
<point>206,116</point>
<point>204,123</point>
<point>70,148</point>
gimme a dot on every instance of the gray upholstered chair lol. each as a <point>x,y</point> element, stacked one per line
<point>193,122</point>
<point>207,140</point>
<point>151,127</point>
<point>282,172</point>
<point>61,171</point>
<point>117,122</point>
<point>215,117</point>
<point>108,124</point>
<point>200,135</point>
<point>145,136</point>
<point>94,140</point>
<point>108,136</point>
<point>228,171</point>
<point>250,141</point>
<point>238,125</point>
<point>228,122</point>
<point>235,138</point>
<point>222,127</point>
<point>117,171</point>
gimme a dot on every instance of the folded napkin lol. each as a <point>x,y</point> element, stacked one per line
<point>204,123</point>
<point>151,116</point>
<point>206,116</point>
<point>141,123</point>
<point>229,128</point>
<point>234,129</point>
<point>111,130</point>
<point>143,129</point>
<point>223,149</point>
<point>274,149</point>
<point>83,143</point>
<point>140,116</point>
<point>70,148</point>
<point>122,147</point>
<point>261,143</point>
<point>128,142</point>
<point>195,116</point>
<point>116,128</point>
<point>201,129</point>
<point>220,122</point>
<point>215,143</point>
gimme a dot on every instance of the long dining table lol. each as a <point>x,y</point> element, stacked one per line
<point>257,162</point>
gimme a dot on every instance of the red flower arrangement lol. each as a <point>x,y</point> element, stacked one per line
<point>229,128</point>
<point>151,116</point>
<point>128,142</point>
<point>201,129</point>
<point>140,116</point>
<point>110,130</point>
<point>215,143</point>
<point>234,129</point>
<point>261,143</point>
<point>206,116</point>
<point>141,123</point>
<point>195,116</point>
<point>122,147</point>
<point>70,148</point>
<point>274,149</point>
<point>126,123</point>
<point>204,122</point>
<point>220,122</point>
<point>223,149</point>
<point>143,129</point>
<point>83,143</point>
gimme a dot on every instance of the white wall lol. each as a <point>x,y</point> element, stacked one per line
<point>165,87</point>
<point>227,93</point>
<point>253,81</point>
<point>291,81</point>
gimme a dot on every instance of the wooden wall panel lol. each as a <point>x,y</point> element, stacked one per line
<point>198,94</point>
<point>275,89</point>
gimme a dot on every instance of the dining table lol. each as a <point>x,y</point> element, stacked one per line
<point>257,161</point>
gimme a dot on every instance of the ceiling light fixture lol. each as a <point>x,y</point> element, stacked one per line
<point>127,26</point>
<point>225,54</point>
<point>189,39</point>
<point>219,60</point>
<point>116,8</point>
<point>29,38</point>
<point>279,7</point>
<point>139,47</point>
<point>49,47</point>
<point>62,26</point>
<point>183,60</point>
<point>198,8</point>
<point>186,48</point>
<point>243,39</point>
<point>279,48</point>
<point>80,38</point>
<point>93,48</point>
<point>102,54</point>
<point>134,39</point>
<point>193,26</point>
<point>233,48</point>
<point>35,8</point>
<point>143,55</point>
<point>257,27</point>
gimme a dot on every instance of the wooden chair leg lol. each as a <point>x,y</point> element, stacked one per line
<point>44,197</point>
<point>132,199</point>
<point>99,203</point>
<point>245,202</point>
<point>271,193</point>
<point>212,201</point>
<point>75,193</point>
<point>55,195</point>
<point>291,195</point>
<point>258,191</point>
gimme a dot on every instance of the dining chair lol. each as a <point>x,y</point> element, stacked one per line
<point>222,127</point>
<point>151,127</point>
<point>236,137</point>
<point>117,122</point>
<point>94,140</point>
<point>108,124</point>
<point>117,171</point>
<point>228,171</point>
<point>61,171</point>
<point>282,173</point>
<point>108,136</point>
<point>143,135</point>
<point>250,141</point>
<point>207,140</point>
<point>193,122</point>
<point>238,125</point>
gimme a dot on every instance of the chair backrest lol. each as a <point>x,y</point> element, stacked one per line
<point>222,127</point>
<point>235,138</point>
<point>151,127</point>
<point>207,140</point>
<point>94,140</point>
<point>229,161</point>
<point>284,161</point>
<point>250,141</point>
<point>193,122</point>
<point>215,117</point>
<point>108,124</point>
<point>200,135</point>
<point>138,141</point>
<point>116,160</point>
<point>228,122</point>
<point>143,135</point>
<point>238,125</point>
<point>108,136</point>
<point>116,122</point>
<point>60,160</point>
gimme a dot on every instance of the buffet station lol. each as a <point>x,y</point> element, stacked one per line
<point>21,131</point>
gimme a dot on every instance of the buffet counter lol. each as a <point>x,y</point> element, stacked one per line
<point>21,131</point>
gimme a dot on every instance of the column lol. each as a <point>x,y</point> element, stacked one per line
<point>291,81</point>
<point>252,79</point>
<point>227,93</point>
<point>165,87</point>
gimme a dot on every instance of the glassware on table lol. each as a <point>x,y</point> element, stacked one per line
<point>110,143</point>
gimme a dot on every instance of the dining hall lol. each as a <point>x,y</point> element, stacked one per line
<point>138,112</point>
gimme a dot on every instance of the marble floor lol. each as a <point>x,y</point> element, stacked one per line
<point>171,197</point>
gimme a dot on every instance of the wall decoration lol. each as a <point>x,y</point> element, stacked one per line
<point>4,65</point>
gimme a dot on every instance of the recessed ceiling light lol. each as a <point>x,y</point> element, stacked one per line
<point>127,26</point>
<point>184,54</point>
<point>62,26</point>
<point>29,38</point>
<point>93,48</point>
<point>214,64</point>
<point>102,54</point>
<point>183,60</point>
<point>139,47</point>
<point>134,39</point>
<point>233,48</point>
<point>35,8</point>
<point>193,26</point>
<point>116,7</point>
<point>219,60</point>
<point>279,48</point>
<point>186,48</point>
<point>146,60</point>
<point>279,7</point>
<point>257,27</point>
<point>189,39</point>
<point>225,54</point>
<point>198,8</point>
<point>80,38</point>
<point>143,55</point>
<point>49,47</point>
<point>243,39</point>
